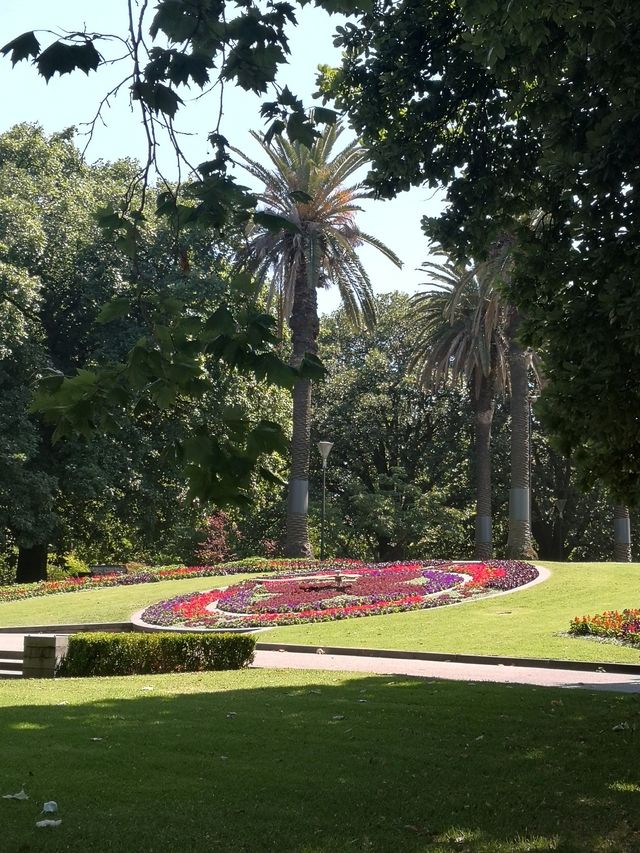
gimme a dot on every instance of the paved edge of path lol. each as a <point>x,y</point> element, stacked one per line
<point>471,673</point>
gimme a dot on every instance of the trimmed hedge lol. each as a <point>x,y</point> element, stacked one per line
<point>138,654</point>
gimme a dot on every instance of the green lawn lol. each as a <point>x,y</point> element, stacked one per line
<point>101,605</point>
<point>317,763</point>
<point>521,624</point>
<point>525,624</point>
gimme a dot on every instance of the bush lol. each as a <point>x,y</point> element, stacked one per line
<point>73,566</point>
<point>138,654</point>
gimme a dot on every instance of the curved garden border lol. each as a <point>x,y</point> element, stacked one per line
<point>443,601</point>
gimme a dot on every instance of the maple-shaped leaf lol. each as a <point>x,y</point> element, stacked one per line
<point>158,97</point>
<point>65,58</point>
<point>190,66</point>
<point>22,47</point>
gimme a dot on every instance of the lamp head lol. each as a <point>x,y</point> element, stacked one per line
<point>325,449</point>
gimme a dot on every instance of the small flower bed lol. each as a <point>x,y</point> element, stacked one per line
<point>321,593</point>
<point>611,625</point>
<point>18,592</point>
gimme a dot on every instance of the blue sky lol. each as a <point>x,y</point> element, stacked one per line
<point>73,99</point>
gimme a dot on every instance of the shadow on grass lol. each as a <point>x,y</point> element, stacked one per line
<point>312,762</point>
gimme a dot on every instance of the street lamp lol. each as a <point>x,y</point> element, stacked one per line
<point>325,449</point>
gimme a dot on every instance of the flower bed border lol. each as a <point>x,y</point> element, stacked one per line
<point>21,592</point>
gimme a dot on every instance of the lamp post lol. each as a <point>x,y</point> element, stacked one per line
<point>325,449</point>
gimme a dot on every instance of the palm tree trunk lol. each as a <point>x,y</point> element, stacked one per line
<point>622,534</point>
<point>305,326</point>
<point>519,540</point>
<point>484,407</point>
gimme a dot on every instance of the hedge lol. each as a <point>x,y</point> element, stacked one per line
<point>138,654</point>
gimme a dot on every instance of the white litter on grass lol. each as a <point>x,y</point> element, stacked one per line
<point>50,808</point>
<point>44,823</point>
<point>19,796</point>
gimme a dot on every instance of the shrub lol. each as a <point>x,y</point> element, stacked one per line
<point>138,654</point>
<point>73,566</point>
<point>221,532</point>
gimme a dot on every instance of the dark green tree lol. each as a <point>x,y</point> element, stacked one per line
<point>513,108</point>
<point>121,492</point>
<point>398,475</point>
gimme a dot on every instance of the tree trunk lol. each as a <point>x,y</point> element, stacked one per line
<point>621,534</point>
<point>305,325</point>
<point>484,407</point>
<point>32,564</point>
<point>519,541</point>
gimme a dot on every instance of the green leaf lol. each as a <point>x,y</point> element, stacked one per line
<point>324,115</point>
<point>65,58</point>
<point>273,222</point>
<point>267,437</point>
<point>186,66</point>
<point>50,381</point>
<point>311,367</point>
<point>158,97</point>
<point>275,129</point>
<point>22,47</point>
<point>271,477</point>
<point>221,321</point>
<point>113,310</point>
<point>300,129</point>
<point>301,196</point>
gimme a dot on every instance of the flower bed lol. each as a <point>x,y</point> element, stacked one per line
<point>611,625</point>
<point>323,593</point>
<point>18,592</point>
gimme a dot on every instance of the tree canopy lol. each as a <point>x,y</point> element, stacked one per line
<point>517,108</point>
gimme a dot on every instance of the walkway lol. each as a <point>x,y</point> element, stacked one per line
<point>543,677</point>
<point>474,672</point>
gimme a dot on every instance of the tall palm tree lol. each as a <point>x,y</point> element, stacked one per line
<point>309,240</point>
<point>460,325</point>
<point>621,534</point>
<point>521,361</point>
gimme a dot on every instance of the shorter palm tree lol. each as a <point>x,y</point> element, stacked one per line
<point>460,327</point>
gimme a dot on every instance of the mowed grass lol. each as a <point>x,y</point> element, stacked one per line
<point>283,761</point>
<point>532,623</point>
<point>116,604</point>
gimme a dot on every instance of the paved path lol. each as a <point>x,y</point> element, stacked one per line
<point>613,681</point>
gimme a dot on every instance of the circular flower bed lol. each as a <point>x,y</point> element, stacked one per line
<point>339,591</point>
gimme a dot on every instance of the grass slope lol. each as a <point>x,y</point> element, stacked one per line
<point>101,605</point>
<point>522,624</point>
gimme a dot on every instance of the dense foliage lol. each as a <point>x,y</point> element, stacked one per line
<point>120,491</point>
<point>517,108</point>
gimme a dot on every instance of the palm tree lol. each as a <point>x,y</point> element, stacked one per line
<point>521,361</point>
<point>621,534</point>
<point>461,338</point>
<point>307,240</point>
